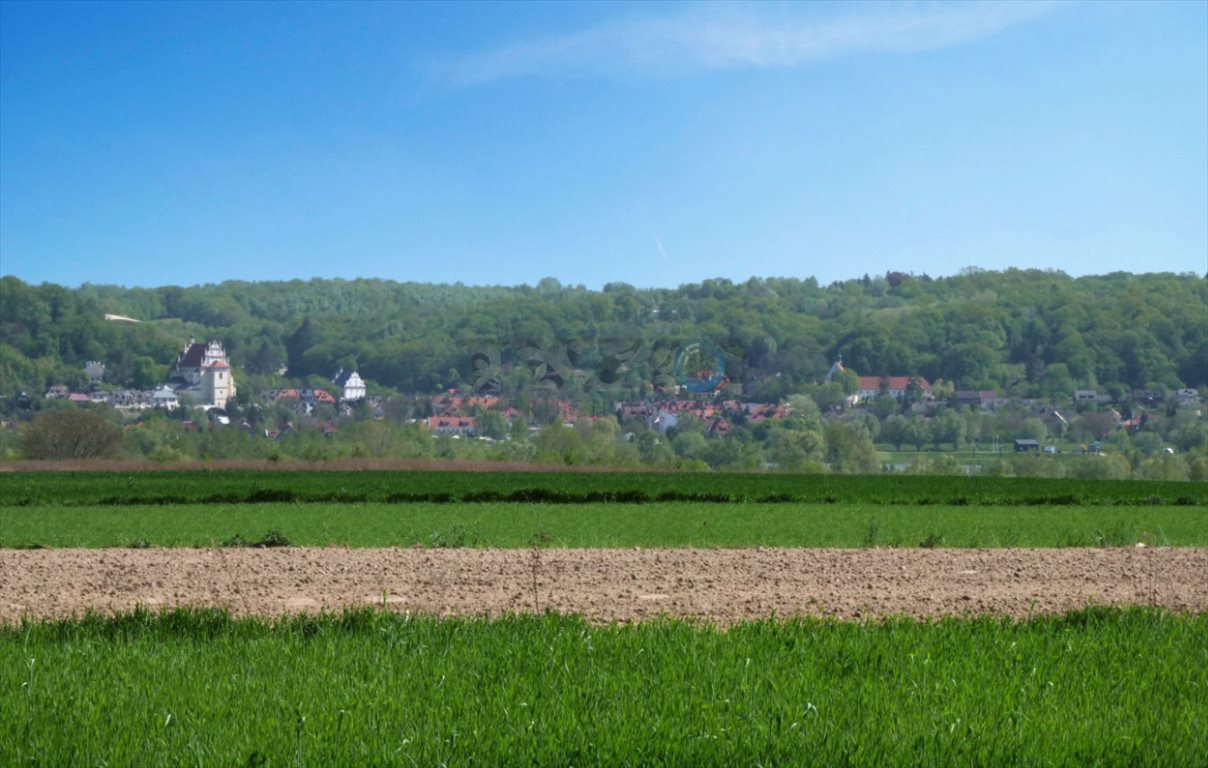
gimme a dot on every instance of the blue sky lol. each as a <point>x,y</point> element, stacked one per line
<point>170,143</point>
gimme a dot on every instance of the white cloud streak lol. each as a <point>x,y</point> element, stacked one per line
<point>715,37</point>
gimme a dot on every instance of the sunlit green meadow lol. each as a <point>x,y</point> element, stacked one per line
<point>1098,687</point>
<point>659,524</point>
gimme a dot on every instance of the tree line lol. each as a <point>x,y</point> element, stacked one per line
<point>1025,333</point>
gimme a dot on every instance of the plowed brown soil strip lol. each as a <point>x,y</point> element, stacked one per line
<point>604,585</point>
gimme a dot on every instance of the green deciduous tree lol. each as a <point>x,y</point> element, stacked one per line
<point>71,434</point>
<point>849,451</point>
<point>948,427</point>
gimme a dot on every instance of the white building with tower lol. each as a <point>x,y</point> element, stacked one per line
<point>202,372</point>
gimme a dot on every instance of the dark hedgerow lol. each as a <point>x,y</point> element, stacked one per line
<point>178,487</point>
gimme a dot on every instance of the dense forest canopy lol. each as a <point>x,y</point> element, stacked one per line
<point>1023,332</point>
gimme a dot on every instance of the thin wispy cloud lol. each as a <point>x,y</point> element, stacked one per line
<point>715,37</point>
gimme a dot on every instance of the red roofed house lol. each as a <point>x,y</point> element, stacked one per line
<point>457,405</point>
<point>453,425</point>
<point>316,397</point>
<point>871,387</point>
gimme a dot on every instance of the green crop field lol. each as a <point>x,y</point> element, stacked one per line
<point>606,509</point>
<point>250,487</point>
<point>1109,687</point>
<point>658,524</point>
<point>1100,687</point>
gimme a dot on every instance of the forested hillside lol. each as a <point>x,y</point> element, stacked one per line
<point>1025,333</point>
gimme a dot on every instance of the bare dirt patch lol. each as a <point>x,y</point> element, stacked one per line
<point>604,585</point>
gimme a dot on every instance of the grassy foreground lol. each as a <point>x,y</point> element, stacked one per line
<point>660,524</point>
<point>1102,687</point>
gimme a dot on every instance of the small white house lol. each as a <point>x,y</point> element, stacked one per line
<point>165,398</point>
<point>1187,396</point>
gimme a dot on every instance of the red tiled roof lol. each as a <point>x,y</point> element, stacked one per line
<point>323,396</point>
<point>892,383</point>
<point>454,404</point>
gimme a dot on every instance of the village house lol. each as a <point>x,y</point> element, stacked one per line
<point>453,426</point>
<point>757,412</point>
<point>718,417</point>
<point>312,397</point>
<point>871,387</point>
<point>634,411</point>
<point>95,371</point>
<point>302,398</point>
<point>165,398</point>
<point>131,400</point>
<point>453,404</point>
<point>1187,397</point>
<point>1089,396</point>
<point>979,399</point>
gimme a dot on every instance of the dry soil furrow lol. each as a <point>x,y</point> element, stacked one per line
<point>604,584</point>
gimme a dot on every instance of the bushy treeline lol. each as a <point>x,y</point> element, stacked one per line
<point>1025,333</point>
<point>951,443</point>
